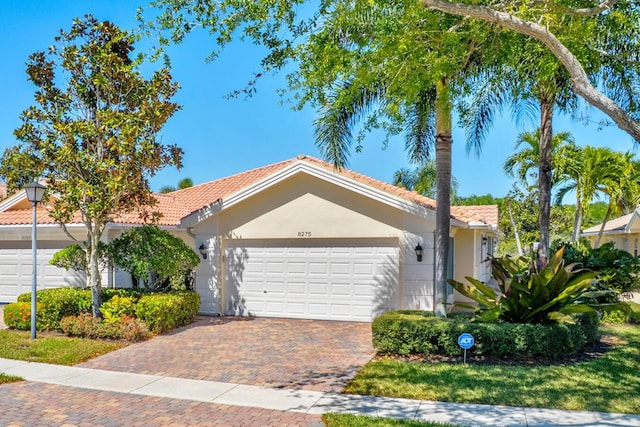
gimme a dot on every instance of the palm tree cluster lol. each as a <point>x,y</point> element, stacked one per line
<point>590,173</point>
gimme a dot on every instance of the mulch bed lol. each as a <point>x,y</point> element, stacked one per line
<point>598,349</point>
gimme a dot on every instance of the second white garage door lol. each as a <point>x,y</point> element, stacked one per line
<point>16,269</point>
<point>330,280</point>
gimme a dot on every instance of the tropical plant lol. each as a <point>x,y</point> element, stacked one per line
<point>182,184</point>
<point>92,133</point>
<point>523,164</point>
<point>527,294</point>
<point>617,269</point>
<point>598,172</point>
<point>154,257</point>
<point>424,180</point>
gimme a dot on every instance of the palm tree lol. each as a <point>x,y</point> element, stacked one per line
<point>523,164</point>
<point>623,193</point>
<point>597,172</point>
<point>413,97</point>
<point>423,180</point>
<point>182,184</point>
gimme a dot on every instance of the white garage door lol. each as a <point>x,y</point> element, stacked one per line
<point>346,280</point>
<point>16,269</point>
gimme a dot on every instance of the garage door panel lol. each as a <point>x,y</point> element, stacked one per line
<point>340,268</point>
<point>345,282</point>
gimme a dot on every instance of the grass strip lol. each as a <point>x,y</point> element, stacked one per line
<point>347,420</point>
<point>52,348</point>
<point>607,383</point>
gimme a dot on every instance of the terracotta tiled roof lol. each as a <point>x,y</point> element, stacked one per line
<point>487,214</point>
<point>176,205</point>
<point>3,190</point>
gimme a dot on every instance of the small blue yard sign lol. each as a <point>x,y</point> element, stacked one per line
<point>466,341</point>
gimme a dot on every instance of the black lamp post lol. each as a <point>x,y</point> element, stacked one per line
<point>35,192</point>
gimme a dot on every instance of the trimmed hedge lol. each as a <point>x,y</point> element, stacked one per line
<point>57,303</point>
<point>163,312</point>
<point>17,315</point>
<point>421,333</point>
<point>87,326</point>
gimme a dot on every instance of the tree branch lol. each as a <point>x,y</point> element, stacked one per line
<point>591,11</point>
<point>579,79</point>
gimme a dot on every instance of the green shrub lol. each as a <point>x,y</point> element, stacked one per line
<point>117,307</point>
<point>59,302</point>
<point>405,333</point>
<point>163,312</point>
<point>17,315</point>
<point>156,257</point>
<point>527,294</point>
<point>618,270</point>
<point>87,326</point>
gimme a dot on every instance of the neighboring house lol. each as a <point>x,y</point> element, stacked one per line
<point>293,239</point>
<point>623,231</point>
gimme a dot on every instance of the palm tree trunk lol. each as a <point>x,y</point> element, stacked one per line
<point>443,122</point>
<point>604,223</point>
<point>516,234</point>
<point>544,177</point>
<point>577,219</point>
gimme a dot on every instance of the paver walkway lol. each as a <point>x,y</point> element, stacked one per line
<point>117,398</point>
<point>31,404</point>
<point>280,353</point>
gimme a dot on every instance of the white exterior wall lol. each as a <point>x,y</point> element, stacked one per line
<point>307,208</point>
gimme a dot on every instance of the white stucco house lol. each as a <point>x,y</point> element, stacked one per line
<point>295,239</point>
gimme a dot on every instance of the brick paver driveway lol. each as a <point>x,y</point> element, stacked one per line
<point>36,404</point>
<point>300,354</point>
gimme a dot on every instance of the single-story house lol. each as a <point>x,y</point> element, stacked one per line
<point>624,231</point>
<point>295,239</point>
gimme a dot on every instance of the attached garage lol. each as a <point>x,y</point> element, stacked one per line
<point>325,279</point>
<point>295,239</point>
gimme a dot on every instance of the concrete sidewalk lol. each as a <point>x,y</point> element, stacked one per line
<point>306,401</point>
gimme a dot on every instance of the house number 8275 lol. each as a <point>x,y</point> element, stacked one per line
<point>304,234</point>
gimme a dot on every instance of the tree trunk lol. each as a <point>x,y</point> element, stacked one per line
<point>94,277</point>
<point>443,197</point>
<point>516,235</point>
<point>577,219</point>
<point>604,223</point>
<point>544,177</point>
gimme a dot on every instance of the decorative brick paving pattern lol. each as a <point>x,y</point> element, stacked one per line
<point>28,404</point>
<point>286,353</point>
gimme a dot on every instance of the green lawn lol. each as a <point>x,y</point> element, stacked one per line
<point>345,420</point>
<point>52,348</point>
<point>608,383</point>
<point>8,378</point>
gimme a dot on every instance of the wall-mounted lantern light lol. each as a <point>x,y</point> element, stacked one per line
<point>419,252</point>
<point>484,240</point>
<point>203,251</point>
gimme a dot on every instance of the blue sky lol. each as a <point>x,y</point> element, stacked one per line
<point>221,137</point>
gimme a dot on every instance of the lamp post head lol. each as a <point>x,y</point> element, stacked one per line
<point>35,192</point>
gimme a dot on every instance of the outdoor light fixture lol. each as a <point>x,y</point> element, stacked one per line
<point>484,240</point>
<point>35,192</point>
<point>203,251</point>
<point>419,252</point>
